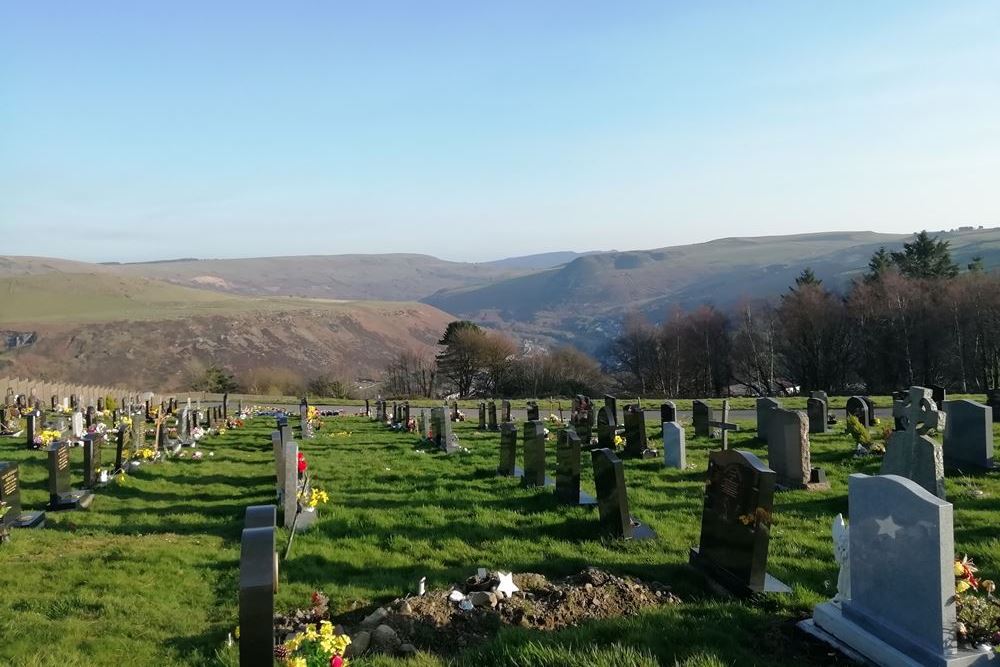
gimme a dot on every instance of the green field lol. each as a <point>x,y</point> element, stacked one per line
<point>148,575</point>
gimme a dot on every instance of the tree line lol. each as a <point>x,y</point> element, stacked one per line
<point>914,317</point>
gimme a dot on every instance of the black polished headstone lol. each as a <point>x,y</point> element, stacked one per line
<point>91,460</point>
<point>701,414</point>
<point>533,414</point>
<point>491,412</point>
<point>10,494</point>
<point>612,498</point>
<point>534,454</point>
<point>33,420</point>
<point>61,496</point>
<point>668,412</point>
<point>636,443</point>
<point>257,585</point>
<point>605,429</point>
<point>508,451</point>
<point>816,411</point>
<point>568,470</point>
<point>736,523</point>
<point>120,447</point>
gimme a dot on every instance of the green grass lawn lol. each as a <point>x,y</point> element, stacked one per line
<point>148,576</point>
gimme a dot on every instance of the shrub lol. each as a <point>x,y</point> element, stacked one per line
<point>858,431</point>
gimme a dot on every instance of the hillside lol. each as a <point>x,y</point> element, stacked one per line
<point>583,301</point>
<point>110,328</point>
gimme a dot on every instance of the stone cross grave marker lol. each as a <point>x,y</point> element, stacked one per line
<point>674,450</point>
<point>568,470</point>
<point>788,453</point>
<point>765,406</point>
<point>816,410</point>
<point>912,453</point>
<point>724,426</point>
<point>258,584</point>
<point>612,498</point>
<point>901,609</point>
<point>736,524</point>
<point>534,455</point>
<point>968,435</point>
<point>10,494</point>
<point>636,444</point>
<point>61,496</point>
<point>508,451</point>
<point>701,415</point>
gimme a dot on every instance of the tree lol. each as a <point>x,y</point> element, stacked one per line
<point>496,358</point>
<point>814,341</point>
<point>216,380</point>
<point>926,257</point>
<point>976,265</point>
<point>880,262</point>
<point>461,359</point>
<point>410,373</point>
<point>807,277</point>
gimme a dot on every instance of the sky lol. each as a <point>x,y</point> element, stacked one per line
<point>474,131</point>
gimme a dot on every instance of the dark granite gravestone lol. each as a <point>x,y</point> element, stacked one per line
<point>508,451</point>
<point>90,417</point>
<point>454,411</point>
<point>612,498</point>
<point>404,413</point>
<point>765,406</point>
<point>582,418</point>
<point>368,408</point>
<point>100,404</point>
<point>857,407</point>
<point>225,405</point>
<point>53,402</point>
<point>568,470</point>
<point>533,414</point>
<point>258,584</point>
<point>701,414</point>
<point>870,404</point>
<point>534,455</point>
<point>668,412</point>
<point>993,400</point>
<point>33,421</point>
<point>605,429</point>
<point>636,444</point>
<point>611,403</point>
<point>305,426</point>
<point>938,394</point>
<point>736,524</point>
<point>788,453</point>
<point>61,496</point>
<point>74,402</point>
<point>821,395</point>
<point>491,412</point>
<point>482,416</point>
<point>900,608</point>
<point>10,494</point>
<point>120,448</point>
<point>816,410</point>
<point>505,411</point>
<point>968,435</point>
<point>91,460</point>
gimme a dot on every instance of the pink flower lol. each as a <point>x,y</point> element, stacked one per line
<point>336,661</point>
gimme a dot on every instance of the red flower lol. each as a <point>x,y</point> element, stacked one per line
<point>303,465</point>
<point>336,661</point>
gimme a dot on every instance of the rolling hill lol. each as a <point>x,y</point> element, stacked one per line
<point>109,328</point>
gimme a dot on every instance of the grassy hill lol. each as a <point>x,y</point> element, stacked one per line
<point>106,327</point>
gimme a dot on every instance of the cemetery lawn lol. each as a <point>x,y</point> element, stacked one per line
<point>148,575</point>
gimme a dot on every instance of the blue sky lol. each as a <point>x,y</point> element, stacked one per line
<point>475,131</point>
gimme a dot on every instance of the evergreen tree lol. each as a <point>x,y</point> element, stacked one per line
<point>880,262</point>
<point>976,265</point>
<point>806,278</point>
<point>926,257</point>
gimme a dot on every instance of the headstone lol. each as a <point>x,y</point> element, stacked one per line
<point>91,416</point>
<point>912,453</point>
<point>225,405</point>
<point>871,409</point>
<point>305,426</point>
<point>857,407</point>
<point>736,524</point>
<point>120,448</point>
<point>482,415</point>
<point>668,412</point>
<point>100,404</point>
<point>568,470</point>
<point>821,395</point>
<point>611,403</point>
<point>508,451</point>
<point>290,484</point>
<point>91,460</point>
<point>505,411</point>
<point>422,424</point>
<point>10,494</point>
<point>404,413</point>
<point>968,435</point>
<point>993,400</point>
<point>765,406</point>
<point>258,584</point>
<point>636,444</point>
<point>788,451</point>
<point>902,605</point>
<point>53,402</point>
<point>33,421</point>
<point>491,412</point>
<point>938,394</point>
<point>138,432</point>
<point>534,454</point>
<point>278,451</point>
<point>674,450</point>
<point>612,498</point>
<point>61,496</point>
<point>454,411</point>
<point>605,429</point>
<point>701,414</point>
<point>368,408</point>
<point>816,410</point>
<point>533,414</point>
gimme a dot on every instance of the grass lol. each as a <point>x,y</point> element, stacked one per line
<point>148,576</point>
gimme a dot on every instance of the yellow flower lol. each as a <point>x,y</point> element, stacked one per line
<point>311,632</point>
<point>236,632</point>
<point>297,662</point>
<point>962,586</point>
<point>959,569</point>
<point>326,628</point>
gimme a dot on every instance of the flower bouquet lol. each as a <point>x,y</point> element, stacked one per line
<point>46,438</point>
<point>978,611</point>
<point>312,648</point>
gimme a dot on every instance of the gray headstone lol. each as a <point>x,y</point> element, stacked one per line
<point>816,409</point>
<point>821,395</point>
<point>491,412</point>
<point>912,453</point>
<point>765,406</point>
<point>674,451</point>
<point>534,454</point>
<point>505,411</point>
<point>902,605</point>
<point>968,435</point>
<point>788,448</point>
<point>482,415</point>
<point>701,414</point>
<point>290,484</point>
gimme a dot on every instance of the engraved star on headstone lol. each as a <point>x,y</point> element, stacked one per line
<point>888,526</point>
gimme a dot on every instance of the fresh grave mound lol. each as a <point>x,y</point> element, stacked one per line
<point>449,621</point>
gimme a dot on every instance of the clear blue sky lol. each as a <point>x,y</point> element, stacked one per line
<point>469,130</point>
